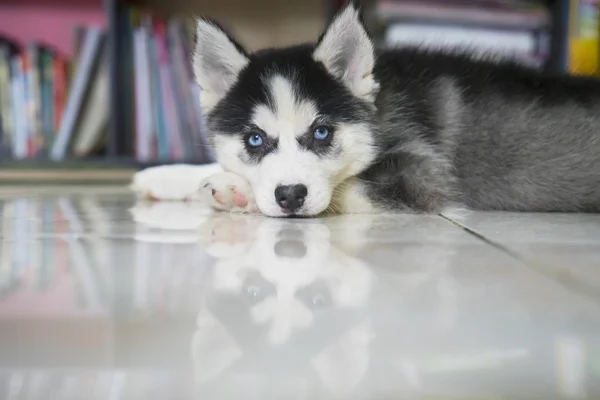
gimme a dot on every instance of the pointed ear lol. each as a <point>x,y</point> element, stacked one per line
<point>348,53</point>
<point>218,60</point>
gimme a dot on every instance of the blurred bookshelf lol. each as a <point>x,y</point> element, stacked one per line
<point>106,85</point>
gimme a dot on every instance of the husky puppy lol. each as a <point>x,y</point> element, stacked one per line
<point>335,126</point>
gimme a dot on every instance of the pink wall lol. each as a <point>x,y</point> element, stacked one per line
<point>49,23</point>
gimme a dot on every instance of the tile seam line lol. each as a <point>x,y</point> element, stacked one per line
<point>562,278</point>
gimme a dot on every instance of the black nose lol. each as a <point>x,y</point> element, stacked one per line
<point>290,197</point>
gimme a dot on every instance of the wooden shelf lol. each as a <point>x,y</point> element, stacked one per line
<point>92,171</point>
<point>256,24</point>
<point>53,3</point>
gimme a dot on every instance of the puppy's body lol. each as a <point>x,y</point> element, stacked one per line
<point>491,136</point>
<point>404,130</point>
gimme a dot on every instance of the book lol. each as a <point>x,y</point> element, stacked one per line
<point>529,15</point>
<point>61,79</point>
<point>19,108</point>
<point>583,42</point>
<point>7,127</point>
<point>143,99</point>
<point>47,81</point>
<point>521,45</point>
<point>87,63</point>
<point>172,123</point>
<point>35,140</point>
<point>5,133</point>
<point>182,76</point>
<point>168,122</point>
<point>511,29</point>
<point>92,124</point>
<point>162,140</point>
<point>55,108</point>
<point>37,72</point>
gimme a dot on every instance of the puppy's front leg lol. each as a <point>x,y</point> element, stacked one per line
<point>226,191</point>
<point>176,182</point>
<point>350,198</point>
<point>209,184</point>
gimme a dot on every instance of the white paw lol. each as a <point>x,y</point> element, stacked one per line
<point>172,182</point>
<point>226,191</point>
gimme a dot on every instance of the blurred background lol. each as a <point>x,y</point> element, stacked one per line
<point>92,90</point>
<point>102,301</point>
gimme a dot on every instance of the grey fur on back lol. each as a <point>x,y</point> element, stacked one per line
<point>492,136</point>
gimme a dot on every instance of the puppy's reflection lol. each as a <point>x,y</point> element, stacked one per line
<point>289,307</point>
<point>284,273</point>
<point>284,295</point>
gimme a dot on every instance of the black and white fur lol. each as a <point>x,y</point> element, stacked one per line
<point>413,130</point>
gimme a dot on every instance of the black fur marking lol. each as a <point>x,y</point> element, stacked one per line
<point>333,99</point>
<point>319,147</point>
<point>256,154</point>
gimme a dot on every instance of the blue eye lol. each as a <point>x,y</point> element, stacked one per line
<point>321,132</point>
<point>255,140</point>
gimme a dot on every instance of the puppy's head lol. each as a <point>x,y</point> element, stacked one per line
<point>296,121</point>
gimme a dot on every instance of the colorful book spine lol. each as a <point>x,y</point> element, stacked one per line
<point>89,54</point>
<point>6,118</point>
<point>30,113</point>
<point>181,80</point>
<point>143,101</point>
<point>583,38</point>
<point>169,106</point>
<point>36,138</point>
<point>162,142</point>
<point>18,84</point>
<point>178,82</point>
<point>194,90</point>
<point>47,103</point>
<point>59,90</point>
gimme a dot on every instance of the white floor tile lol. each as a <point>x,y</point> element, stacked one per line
<point>102,298</point>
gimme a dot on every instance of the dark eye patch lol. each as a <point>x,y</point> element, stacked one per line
<point>316,296</point>
<point>256,154</point>
<point>319,147</point>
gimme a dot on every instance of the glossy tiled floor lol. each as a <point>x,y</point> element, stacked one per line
<point>102,298</point>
